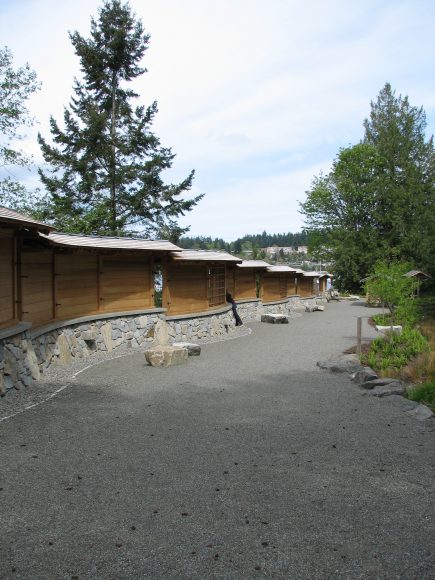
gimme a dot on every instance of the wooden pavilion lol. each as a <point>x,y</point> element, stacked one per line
<point>275,283</point>
<point>196,281</point>
<point>49,276</point>
<point>248,279</point>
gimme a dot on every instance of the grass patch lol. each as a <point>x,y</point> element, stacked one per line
<point>424,394</point>
<point>390,354</point>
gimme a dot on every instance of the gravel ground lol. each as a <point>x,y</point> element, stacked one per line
<point>249,461</point>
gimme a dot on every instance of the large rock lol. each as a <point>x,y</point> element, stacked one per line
<point>364,375</point>
<point>393,388</point>
<point>166,356</point>
<point>192,348</point>
<point>379,382</point>
<point>346,364</point>
<point>274,318</point>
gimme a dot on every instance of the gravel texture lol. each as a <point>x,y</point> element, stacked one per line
<point>249,461</point>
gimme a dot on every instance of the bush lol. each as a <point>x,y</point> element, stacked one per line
<point>394,351</point>
<point>424,394</point>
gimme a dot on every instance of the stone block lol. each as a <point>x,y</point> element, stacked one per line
<point>274,318</point>
<point>386,329</point>
<point>161,333</point>
<point>192,348</point>
<point>166,356</point>
<point>106,332</point>
<point>89,335</point>
<point>64,350</point>
<point>2,386</point>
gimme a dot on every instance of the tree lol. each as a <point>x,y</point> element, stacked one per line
<point>16,86</point>
<point>389,285</point>
<point>377,201</point>
<point>106,163</point>
<point>406,216</point>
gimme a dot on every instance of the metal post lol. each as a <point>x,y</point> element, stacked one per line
<point>358,335</point>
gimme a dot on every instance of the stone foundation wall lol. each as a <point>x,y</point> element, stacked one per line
<point>249,310</point>
<point>25,355</point>
<point>201,327</point>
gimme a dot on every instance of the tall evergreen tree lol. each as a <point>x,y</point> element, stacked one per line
<point>106,163</point>
<point>378,200</point>
<point>16,87</point>
<point>405,212</point>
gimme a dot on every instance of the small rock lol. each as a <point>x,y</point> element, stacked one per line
<point>192,349</point>
<point>421,412</point>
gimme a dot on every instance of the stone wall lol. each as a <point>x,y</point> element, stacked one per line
<point>26,354</point>
<point>201,327</point>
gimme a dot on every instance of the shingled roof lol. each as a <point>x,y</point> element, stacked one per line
<point>13,217</point>
<point>204,256</point>
<point>108,242</point>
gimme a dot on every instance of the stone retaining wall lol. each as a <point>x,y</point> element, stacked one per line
<point>27,353</point>
<point>201,327</point>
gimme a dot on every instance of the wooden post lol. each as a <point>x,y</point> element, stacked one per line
<point>358,335</point>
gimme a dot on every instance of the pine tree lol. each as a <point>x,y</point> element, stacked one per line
<point>405,213</point>
<point>106,164</point>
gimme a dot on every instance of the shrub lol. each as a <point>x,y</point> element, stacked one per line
<point>394,351</point>
<point>424,394</point>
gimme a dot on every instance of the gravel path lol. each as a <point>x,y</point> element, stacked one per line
<point>247,462</point>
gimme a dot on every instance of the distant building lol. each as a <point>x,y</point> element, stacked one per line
<point>274,251</point>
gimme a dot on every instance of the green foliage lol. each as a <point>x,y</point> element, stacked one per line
<point>424,393</point>
<point>251,242</point>
<point>378,200</point>
<point>16,87</point>
<point>395,350</point>
<point>388,284</point>
<point>106,164</point>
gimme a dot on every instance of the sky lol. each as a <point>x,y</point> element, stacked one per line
<point>258,97</point>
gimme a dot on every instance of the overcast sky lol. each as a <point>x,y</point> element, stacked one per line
<point>257,96</point>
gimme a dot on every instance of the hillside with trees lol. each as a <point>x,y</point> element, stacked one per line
<point>248,243</point>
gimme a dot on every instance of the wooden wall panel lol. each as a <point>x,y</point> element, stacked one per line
<point>125,284</point>
<point>274,287</point>
<point>36,285</point>
<point>187,288</point>
<point>245,285</point>
<point>306,286</point>
<point>292,285</point>
<point>76,285</point>
<point>7,310</point>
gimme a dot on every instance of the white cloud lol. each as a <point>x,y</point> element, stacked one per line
<point>253,95</point>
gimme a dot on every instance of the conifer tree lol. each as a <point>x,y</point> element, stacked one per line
<point>106,163</point>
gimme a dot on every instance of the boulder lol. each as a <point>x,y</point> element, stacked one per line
<point>192,348</point>
<point>274,318</point>
<point>364,375</point>
<point>379,382</point>
<point>166,356</point>
<point>346,364</point>
<point>393,388</point>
